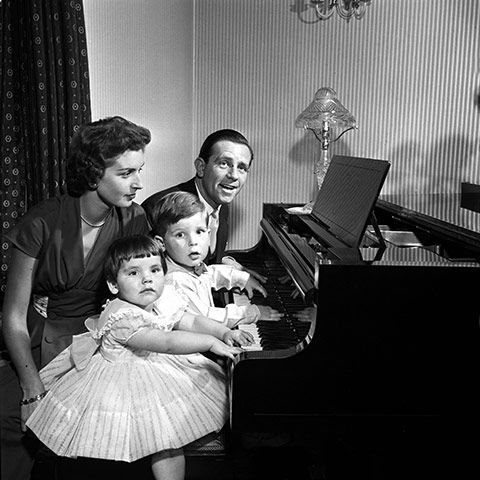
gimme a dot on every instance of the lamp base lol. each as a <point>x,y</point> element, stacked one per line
<point>321,167</point>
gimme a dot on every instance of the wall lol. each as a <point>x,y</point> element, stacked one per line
<point>408,71</point>
<point>141,67</point>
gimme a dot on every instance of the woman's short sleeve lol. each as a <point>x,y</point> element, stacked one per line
<point>32,231</point>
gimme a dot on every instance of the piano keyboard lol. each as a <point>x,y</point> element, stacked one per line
<point>275,335</point>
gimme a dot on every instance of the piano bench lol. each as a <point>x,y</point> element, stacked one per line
<point>213,445</point>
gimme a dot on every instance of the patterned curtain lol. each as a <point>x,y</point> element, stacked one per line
<point>45,97</point>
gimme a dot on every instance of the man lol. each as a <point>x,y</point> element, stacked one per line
<point>221,172</point>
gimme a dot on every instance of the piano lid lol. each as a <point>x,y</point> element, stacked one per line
<point>447,208</point>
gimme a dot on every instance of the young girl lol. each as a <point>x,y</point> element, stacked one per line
<point>139,385</point>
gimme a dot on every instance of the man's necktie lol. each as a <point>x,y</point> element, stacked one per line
<point>213,225</point>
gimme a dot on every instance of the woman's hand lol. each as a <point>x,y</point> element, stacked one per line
<point>25,412</point>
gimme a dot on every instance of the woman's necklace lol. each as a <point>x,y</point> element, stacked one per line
<point>101,224</point>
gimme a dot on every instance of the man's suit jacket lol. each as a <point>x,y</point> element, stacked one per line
<point>222,232</point>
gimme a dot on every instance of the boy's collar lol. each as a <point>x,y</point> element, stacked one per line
<point>173,266</point>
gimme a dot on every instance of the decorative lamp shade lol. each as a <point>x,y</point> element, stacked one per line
<point>328,119</point>
<point>325,108</point>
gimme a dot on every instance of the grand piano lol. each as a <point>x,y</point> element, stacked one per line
<point>389,353</point>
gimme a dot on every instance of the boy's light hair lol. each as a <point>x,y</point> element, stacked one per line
<point>172,208</point>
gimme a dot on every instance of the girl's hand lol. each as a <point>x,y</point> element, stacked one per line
<point>238,337</point>
<point>222,349</point>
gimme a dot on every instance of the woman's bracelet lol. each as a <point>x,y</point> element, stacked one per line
<point>36,398</point>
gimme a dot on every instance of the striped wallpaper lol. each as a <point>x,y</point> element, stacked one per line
<point>408,71</point>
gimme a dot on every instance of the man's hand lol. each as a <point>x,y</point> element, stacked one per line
<point>308,314</point>
<point>269,313</point>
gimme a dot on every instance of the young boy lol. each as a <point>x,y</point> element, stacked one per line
<point>180,224</point>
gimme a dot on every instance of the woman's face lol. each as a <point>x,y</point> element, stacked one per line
<point>121,180</point>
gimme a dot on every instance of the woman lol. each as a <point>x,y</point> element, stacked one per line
<point>55,276</point>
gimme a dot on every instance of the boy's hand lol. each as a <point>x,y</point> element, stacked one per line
<point>258,276</point>
<point>232,262</point>
<point>269,313</point>
<point>238,337</point>
<point>253,284</point>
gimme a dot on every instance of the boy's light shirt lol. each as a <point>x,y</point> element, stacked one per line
<point>198,289</point>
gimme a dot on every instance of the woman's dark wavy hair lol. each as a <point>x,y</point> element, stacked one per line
<point>222,135</point>
<point>126,248</point>
<point>95,146</point>
<point>172,208</point>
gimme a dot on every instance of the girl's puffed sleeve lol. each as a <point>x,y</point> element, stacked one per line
<point>123,324</point>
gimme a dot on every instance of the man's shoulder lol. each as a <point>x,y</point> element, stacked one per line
<point>188,186</point>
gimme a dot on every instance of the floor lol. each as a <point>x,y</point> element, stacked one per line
<point>344,458</point>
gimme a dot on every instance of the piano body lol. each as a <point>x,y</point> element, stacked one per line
<point>391,352</point>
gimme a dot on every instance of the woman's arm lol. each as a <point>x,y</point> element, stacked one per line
<point>17,298</point>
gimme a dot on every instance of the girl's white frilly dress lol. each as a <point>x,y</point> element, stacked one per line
<point>106,400</point>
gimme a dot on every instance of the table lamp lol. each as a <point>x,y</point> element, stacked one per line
<point>328,119</point>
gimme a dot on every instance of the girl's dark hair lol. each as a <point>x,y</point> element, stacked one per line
<point>126,248</point>
<point>172,208</point>
<point>219,136</point>
<point>95,146</point>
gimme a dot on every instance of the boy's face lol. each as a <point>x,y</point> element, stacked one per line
<point>188,240</point>
<point>139,281</point>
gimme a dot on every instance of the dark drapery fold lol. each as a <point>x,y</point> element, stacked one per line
<point>45,98</point>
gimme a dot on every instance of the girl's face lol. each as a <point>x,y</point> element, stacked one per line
<point>188,240</point>
<point>139,281</point>
<point>121,180</point>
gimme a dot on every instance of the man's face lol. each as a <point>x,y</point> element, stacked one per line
<point>225,173</point>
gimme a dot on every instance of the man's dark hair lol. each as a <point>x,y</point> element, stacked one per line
<point>222,135</point>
